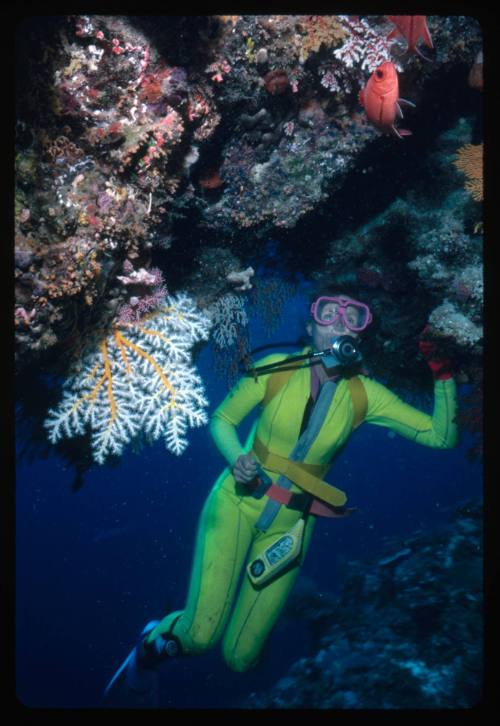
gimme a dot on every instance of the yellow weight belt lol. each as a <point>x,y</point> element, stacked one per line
<point>304,475</point>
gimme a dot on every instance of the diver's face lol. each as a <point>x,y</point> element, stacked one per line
<point>322,334</point>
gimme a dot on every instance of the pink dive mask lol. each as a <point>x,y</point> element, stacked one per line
<point>355,315</point>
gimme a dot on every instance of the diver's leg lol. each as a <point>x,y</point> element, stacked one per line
<point>223,538</point>
<point>257,609</point>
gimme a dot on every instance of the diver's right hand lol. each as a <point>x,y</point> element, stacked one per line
<point>245,468</point>
<point>439,364</point>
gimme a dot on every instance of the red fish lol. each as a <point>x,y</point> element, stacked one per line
<point>380,99</point>
<point>412,27</point>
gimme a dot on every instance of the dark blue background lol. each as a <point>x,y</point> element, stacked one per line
<point>93,567</point>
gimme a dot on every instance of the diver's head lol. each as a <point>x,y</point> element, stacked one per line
<point>337,319</point>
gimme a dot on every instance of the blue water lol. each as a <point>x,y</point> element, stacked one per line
<point>92,567</point>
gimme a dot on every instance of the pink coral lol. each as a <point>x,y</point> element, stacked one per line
<point>137,307</point>
<point>141,277</point>
<point>140,304</point>
<point>364,45</point>
<point>22,315</point>
<point>219,69</point>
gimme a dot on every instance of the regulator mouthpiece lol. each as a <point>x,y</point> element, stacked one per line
<point>344,352</point>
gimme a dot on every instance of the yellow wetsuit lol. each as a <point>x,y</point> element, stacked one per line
<point>227,538</point>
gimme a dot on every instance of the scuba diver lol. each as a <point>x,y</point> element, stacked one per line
<point>260,514</point>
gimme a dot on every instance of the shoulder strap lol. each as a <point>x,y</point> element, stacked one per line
<point>277,380</point>
<point>359,400</point>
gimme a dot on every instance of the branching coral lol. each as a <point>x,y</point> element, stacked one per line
<point>139,379</point>
<point>363,49</point>
<point>268,298</point>
<point>364,45</point>
<point>320,30</point>
<point>469,160</point>
<point>228,316</point>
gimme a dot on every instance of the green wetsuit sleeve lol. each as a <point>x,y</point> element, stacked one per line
<point>438,430</point>
<point>242,399</point>
<point>226,439</point>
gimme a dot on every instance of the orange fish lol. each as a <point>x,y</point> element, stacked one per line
<point>380,99</point>
<point>412,27</point>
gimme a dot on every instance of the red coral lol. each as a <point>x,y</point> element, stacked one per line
<point>197,107</point>
<point>93,94</point>
<point>115,128</point>
<point>151,91</point>
<point>276,82</point>
<point>211,181</point>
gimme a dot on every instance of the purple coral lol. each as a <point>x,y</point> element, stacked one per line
<point>137,307</point>
<point>175,86</point>
<point>104,202</point>
<point>141,304</point>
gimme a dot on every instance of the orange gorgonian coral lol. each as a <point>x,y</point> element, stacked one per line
<point>469,160</point>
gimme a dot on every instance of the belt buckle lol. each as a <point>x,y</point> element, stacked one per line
<point>264,482</point>
<point>300,501</point>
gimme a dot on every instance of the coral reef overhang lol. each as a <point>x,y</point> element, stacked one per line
<point>189,142</point>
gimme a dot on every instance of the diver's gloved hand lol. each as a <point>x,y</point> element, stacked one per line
<point>440,366</point>
<point>245,468</point>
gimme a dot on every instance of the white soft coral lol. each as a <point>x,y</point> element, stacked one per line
<point>139,379</point>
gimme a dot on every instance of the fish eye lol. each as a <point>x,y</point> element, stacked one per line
<point>379,74</point>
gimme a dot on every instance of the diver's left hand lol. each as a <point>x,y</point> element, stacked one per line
<point>245,468</point>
